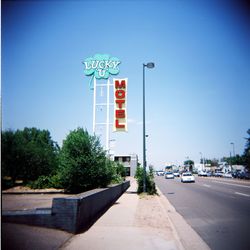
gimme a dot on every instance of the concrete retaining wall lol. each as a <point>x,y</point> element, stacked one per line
<point>73,214</point>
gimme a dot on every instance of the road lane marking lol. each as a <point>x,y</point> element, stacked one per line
<point>205,185</point>
<point>231,184</point>
<point>247,195</point>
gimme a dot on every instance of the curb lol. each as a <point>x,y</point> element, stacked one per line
<point>185,235</point>
<point>167,208</point>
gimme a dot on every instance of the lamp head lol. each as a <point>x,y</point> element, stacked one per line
<point>150,65</point>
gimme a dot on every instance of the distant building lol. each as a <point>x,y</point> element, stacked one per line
<point>238,168</point>
<point>225,167</point>
<point>129,161</point>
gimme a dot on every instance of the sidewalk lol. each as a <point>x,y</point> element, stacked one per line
<point>133,222</point>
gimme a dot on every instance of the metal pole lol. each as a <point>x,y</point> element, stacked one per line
<point>107,119</point>
<point>144,134</point>
<point>231,160</point>
<point>94,106</point>
<point>201,161</point>
<point>233,149</point>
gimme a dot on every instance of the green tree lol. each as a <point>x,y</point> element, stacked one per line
<point>28,154</point>
<point>235,160</point>
<point>40,153</point>
<point>83,163</point>
<point>215,162</point>
<point>246,154</point>
<point>189,164</point>
<point>8,160</point>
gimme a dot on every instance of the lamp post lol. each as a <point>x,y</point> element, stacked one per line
<point>111,140</point>
<point>149,65</point>
<point>187,163</point>
<point>201,160</point>
<point>232,143</point>
<point>231,157</point>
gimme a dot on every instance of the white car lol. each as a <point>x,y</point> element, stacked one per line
<point>169,175</point>
<point>218,174</point>
<point>187,177</point>
<point>176,174</point>
<point>160,173</point>
<point>228,175</point>
<point>202,173</point>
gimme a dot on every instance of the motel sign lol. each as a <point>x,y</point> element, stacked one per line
<point>100,68</point>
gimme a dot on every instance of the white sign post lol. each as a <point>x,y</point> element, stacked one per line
<point>99,67</point>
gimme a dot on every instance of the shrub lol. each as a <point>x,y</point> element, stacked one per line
<point>41,182</point>
<point>150,184</point>
<point>46,182</point>
<point>83,163</point>
<point>119,172</point>
<point>7,183</point>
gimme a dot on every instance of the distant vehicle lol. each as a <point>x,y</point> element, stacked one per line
<point>218,174</point>
<point>238,174</point>
<point>202,173</point>
<point>169,175</point>
<point>187,177</point>
<point>246,175</point>
<point>160,173</point>
<point>235,174</point>
<point>228,175</point>
<point>168,168</point>
<point>209,174</point>
<point>176,174</point>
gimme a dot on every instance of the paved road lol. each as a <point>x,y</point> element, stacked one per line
<point>218,209</point>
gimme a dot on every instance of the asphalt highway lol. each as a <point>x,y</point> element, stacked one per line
<point>217,209</point>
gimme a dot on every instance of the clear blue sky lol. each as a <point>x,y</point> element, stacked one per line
<point>197,96</point>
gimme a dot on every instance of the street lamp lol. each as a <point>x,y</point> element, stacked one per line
<point>203,162</point>
<point>233,149</point>
<point>109,154</point>
<point>149,65</point>
<point>187,163</point>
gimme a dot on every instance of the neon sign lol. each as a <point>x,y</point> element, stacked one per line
<point>120,97</point>
<point>101,66</point>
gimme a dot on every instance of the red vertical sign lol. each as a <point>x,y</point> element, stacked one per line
<point>120,104</point>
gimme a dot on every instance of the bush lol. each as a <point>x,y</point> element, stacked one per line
<point>46,182</point>
<point>40,183</point>
<point>119,172</point>
<point>7,183</point>
<point>83,163</point>
<point>150,184</point>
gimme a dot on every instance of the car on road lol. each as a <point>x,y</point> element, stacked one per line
<point>238,174</point>
<point>176,174</point>
<point>228,175</point>
<point>218,174</point>
<point>187,177</point>
<point>202,173</point>
<point>209,174</point>
<point>169,175</point>
<point>246,175</point>
<point>160,173</point>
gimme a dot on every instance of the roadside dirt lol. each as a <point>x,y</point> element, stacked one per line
<point>22,189</point>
